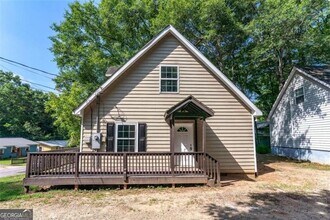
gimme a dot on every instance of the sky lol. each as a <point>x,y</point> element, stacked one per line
<point>24,37</point>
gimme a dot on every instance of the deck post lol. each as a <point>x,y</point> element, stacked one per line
<point>218,173</point>
<point>172,146</point>
<point>203,145</point>
<point>26,189</point>
<point>27,171</point>
<point>125,167</point>
<point>77,164</point>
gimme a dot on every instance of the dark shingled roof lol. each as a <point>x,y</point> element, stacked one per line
<point>319,72</point>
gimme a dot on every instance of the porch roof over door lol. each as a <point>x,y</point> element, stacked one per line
<point>189,107</point>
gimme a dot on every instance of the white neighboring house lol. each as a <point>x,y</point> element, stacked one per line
<point>300,117</point>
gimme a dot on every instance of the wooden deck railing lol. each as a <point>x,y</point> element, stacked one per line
<point>43,164</point>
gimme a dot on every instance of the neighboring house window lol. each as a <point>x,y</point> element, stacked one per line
<point>14,149</point>
<point>169,79</point>
<point>299,95</point>
<point>126,137</point>
<point>2,151</point>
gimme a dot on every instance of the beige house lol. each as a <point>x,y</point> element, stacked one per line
<point>170,98</point>
<point>168,116</point>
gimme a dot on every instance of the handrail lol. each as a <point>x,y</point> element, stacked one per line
<point>122,164</point>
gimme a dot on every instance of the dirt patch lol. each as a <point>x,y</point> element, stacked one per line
<point>283,190</point>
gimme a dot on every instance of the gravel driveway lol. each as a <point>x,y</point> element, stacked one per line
<point>11,170</point>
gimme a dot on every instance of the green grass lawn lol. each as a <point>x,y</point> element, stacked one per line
<point>7,162</point>
<point>11,187</point>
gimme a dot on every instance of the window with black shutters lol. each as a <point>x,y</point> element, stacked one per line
<point>126,137</point>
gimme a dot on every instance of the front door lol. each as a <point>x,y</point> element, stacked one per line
<point>184,142</point>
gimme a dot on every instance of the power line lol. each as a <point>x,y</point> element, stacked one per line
<point>35,88</point>
<point>23,80</point>
<point>24,68</point>
<point>38,84</point>
<point>12,61</point>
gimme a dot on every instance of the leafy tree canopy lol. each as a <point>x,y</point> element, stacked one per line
<point>255,43</point>
<point>22,111</point>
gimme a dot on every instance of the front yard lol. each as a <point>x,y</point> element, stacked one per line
<point>285,189</point>
<point>7,162</point>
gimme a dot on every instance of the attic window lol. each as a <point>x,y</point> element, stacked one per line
<point>299,95</point>
<point>169,79</point>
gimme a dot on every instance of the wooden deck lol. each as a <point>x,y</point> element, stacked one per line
<point>74,168</point>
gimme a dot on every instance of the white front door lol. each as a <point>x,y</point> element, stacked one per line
<point>184,142</point>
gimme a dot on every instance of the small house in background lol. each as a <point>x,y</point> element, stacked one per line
<point>16,147</point>
<point>300,117</point>
<point>52,145</point>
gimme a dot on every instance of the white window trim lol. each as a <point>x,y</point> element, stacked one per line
<point>136,134</point>
<point>295,97</point>
<point>160,79</point>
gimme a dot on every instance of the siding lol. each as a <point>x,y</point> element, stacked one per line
<point>306,125</point>
<point>135,96</point>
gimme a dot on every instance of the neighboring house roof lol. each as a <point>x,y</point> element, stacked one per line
<point>321,73</point>
<point>191,48</point>
<point>17,142</point>
<point>54,143</point>
<point>318,74</point>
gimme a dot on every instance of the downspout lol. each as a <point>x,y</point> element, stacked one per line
<point>98,130</point>
<point>98,114</point>
<point>91,121</point>
<point>81,131</point>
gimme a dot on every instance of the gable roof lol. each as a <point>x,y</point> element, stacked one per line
<point>191,48</point>
<point>18,142</point>
<point>190,104</point>
<point>318,74</point>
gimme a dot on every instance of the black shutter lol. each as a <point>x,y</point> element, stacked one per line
<point>110,137</point>
<point>142,147</point>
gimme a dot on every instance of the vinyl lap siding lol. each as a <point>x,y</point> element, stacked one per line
<point>135,96</point>
<point>306,125</point>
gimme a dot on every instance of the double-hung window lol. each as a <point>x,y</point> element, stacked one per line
<point>299,95</point>
<point>169,79</point>
<point>126,137</point>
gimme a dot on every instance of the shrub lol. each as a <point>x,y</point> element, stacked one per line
<point>263,149</point>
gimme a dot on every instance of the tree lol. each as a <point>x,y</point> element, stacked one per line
<point>255,43</point>
<point>284,34</point>
<point>22,111</point>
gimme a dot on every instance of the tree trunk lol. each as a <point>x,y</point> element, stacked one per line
<point>280,70</point>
